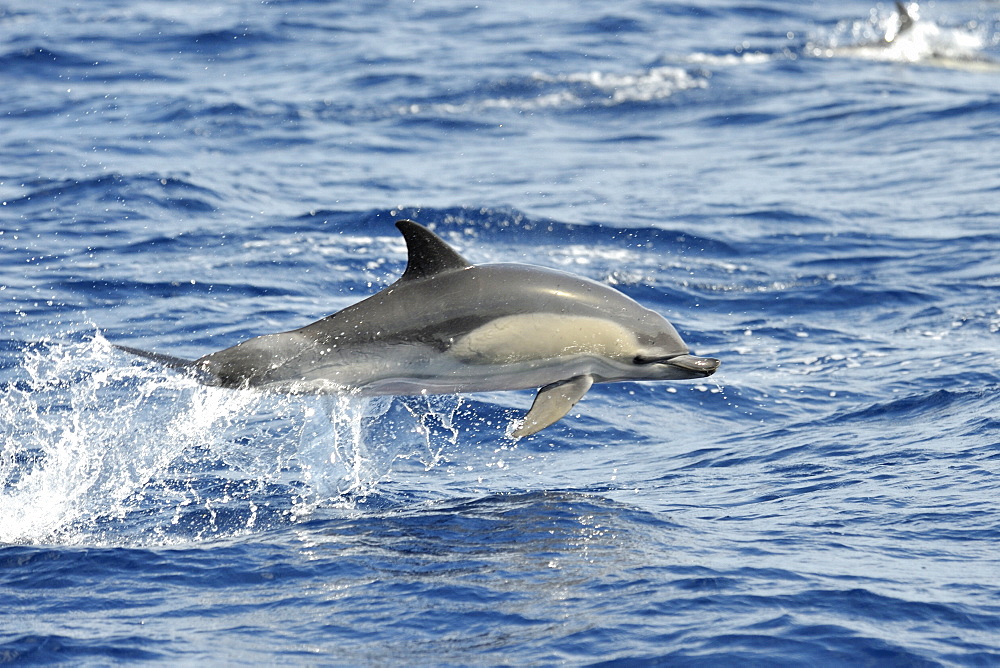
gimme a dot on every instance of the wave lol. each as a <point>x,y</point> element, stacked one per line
<point>508,227</point>
<point>943,406</point>
<point>138,191</point>
<point>564,91</point>
<point>40,61</point>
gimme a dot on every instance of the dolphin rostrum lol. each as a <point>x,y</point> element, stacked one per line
<point>448,326</point>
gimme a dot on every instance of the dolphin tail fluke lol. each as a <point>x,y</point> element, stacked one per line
<point>552,403</point>
<point>189,366</point>
<point>166,360</point>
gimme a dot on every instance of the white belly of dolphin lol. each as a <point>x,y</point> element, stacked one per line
<point>538,336</point>
<point>511,352</point>
<point>392,371</point>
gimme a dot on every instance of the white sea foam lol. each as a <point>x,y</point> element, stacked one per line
<point>576,90</point>
<point>879,38</point>
<point>88,437</point>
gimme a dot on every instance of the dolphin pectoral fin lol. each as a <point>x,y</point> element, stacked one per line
<point>552,402</point>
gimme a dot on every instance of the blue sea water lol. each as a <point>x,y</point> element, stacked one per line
<point>817,208</point>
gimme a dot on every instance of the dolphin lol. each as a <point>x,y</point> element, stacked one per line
<point>902,25</point>
<point>448,326</point>
<point>907,38</point>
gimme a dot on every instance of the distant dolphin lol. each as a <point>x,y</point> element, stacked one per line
<point>909,39</point>
<point>447,326</point>
<point>902,25</point>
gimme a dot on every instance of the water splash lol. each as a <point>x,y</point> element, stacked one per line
<point>95,447</point>
<point>882,37</point>
<point>435,416</point>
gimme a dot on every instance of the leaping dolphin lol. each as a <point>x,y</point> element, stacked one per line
<point>448,326</point>
<point>909,39</point>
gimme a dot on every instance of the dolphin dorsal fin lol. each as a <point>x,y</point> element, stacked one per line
<point>905,18</point>
<point>904,23</point>
<point>427,253</point>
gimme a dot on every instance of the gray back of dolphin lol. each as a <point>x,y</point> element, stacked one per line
<point>448,326</point>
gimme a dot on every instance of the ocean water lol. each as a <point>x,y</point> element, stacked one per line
<point>813,205</point>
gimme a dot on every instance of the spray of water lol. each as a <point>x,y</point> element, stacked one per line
<point>882,37</point>
<point>96,447</point>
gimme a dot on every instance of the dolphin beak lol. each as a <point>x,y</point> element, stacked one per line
<point>699,366</point>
